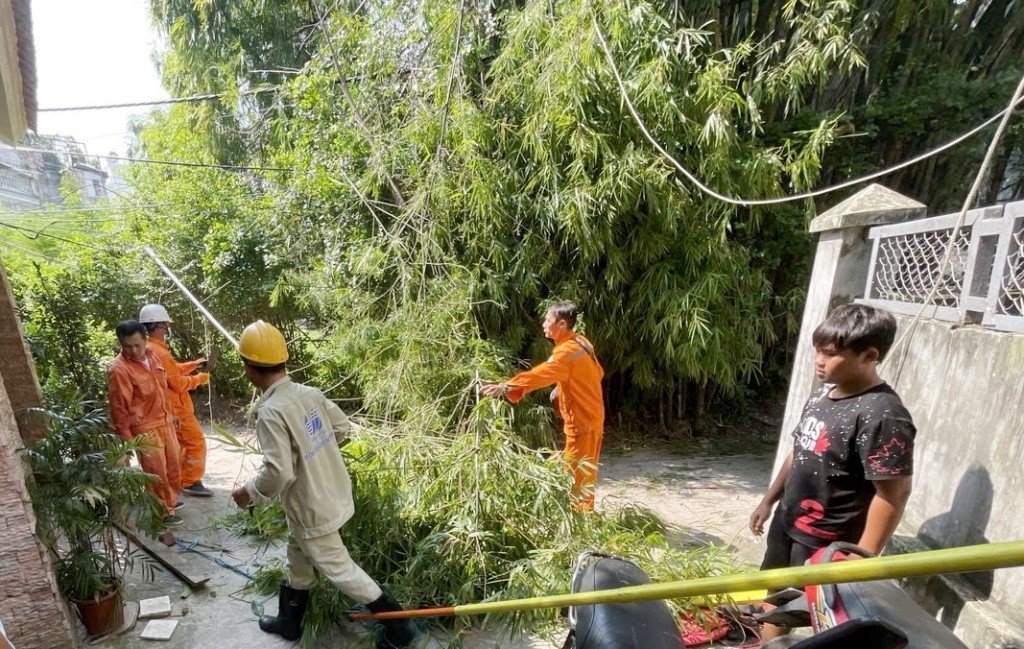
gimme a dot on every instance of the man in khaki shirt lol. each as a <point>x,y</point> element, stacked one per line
<point>298,429</point>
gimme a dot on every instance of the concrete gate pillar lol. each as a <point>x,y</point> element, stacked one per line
<point>839,274</point>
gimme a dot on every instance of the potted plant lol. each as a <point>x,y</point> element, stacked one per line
<point>81,487</point>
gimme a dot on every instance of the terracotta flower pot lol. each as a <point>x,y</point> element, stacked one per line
<point>100,615</point>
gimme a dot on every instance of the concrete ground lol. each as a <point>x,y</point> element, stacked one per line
<point>704,500</point>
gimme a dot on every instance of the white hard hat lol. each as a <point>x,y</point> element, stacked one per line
<point>154,313</point>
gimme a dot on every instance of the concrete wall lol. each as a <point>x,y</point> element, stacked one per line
<point>964,387</point>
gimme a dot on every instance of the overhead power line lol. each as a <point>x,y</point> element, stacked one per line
<point>43,233</point>
<point>750,202</point>
<point>45,213</point>
<point>174,163</point>
<point>154,102</point>
<point>28,251</point>
<point>87,211</point>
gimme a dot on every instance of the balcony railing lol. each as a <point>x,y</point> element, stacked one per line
<point>982,283</point>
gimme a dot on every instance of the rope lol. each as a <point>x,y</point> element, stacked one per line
<point>748,202</point>
<point>904,342</point>
<point>209,383</point>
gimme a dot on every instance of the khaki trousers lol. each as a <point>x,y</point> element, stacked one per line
<point>329,555</point>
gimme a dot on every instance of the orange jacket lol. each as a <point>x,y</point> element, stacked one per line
<point>178,380</point>
<point>575,369</point>
<point>139,400</point>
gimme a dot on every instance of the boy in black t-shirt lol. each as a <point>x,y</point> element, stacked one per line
<point>848,475</point>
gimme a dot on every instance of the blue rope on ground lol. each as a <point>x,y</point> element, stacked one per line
<point>191,547</point>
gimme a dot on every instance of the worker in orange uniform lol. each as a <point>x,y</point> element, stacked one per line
<point>576,373</point>
<point>181,381</point>
<point>140,406</point>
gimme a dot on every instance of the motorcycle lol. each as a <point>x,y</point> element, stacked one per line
<point>871,614</point>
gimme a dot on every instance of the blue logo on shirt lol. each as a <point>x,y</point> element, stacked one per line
<point>312,423</point>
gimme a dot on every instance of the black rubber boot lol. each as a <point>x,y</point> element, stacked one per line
<point>397,633</point>
<point>290,609</point>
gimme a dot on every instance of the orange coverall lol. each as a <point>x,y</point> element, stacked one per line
<point>574,368</point>
<point>190,435</point>
<point>140,406</point>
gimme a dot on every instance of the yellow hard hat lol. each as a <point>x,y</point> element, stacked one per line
<point>262,344</point>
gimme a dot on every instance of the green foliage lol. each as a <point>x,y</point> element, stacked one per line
<point>262,523</point>
<point>460,165</point>
<point>69,304</point>
<point>81,487</point>
<point>447,519</point>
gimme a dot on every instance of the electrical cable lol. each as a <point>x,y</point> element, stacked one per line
<point>632,110</point>
<point>745,202</point>
<point>39,233</point>
<point>28,251</point>
<point>97,209</point>
<point>174,163</point>
<point>45,214</point>
<point>87,220</point>
<point>61,228</point>
<point>191,547</point>
<point>154,102</point>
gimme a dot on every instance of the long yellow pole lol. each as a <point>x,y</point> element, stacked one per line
<point>964,559</point>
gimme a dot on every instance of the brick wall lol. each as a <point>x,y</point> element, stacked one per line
<point>33,613</point>
<point>17,369</point>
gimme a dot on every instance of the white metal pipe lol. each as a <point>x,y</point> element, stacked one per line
<point>199,305</point>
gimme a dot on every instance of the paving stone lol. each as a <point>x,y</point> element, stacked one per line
<point>155,607</point>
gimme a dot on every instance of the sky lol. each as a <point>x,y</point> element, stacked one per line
<point>91,52</point>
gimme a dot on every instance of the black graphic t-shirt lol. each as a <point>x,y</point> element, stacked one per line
<point>839,447</point>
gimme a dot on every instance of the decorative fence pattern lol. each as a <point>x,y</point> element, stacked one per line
<point>982,283</point>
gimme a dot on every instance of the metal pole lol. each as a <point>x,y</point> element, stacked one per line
<point>918,564</point>
<point>199,305</point>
